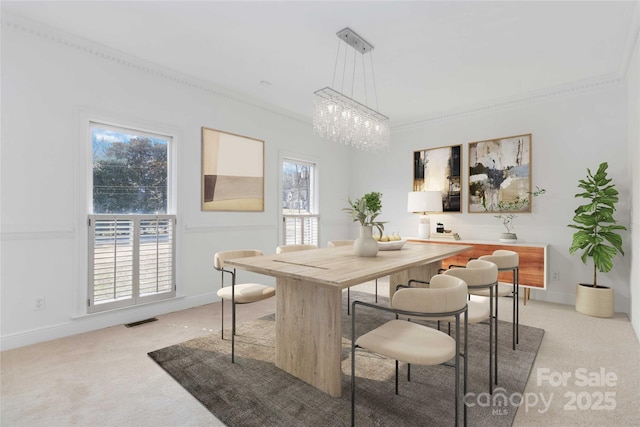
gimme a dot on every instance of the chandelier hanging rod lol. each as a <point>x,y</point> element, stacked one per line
<point>338,116</point>
<point>360,45</point>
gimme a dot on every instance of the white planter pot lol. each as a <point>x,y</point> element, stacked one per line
<point>597,302</point>
<point>365,245</point>
<point>508,237</point>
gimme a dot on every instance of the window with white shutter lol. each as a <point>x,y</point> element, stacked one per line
<point>131,233</point>
<point>300,215</point>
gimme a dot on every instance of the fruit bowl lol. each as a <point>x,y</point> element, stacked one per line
<point>394,245</point>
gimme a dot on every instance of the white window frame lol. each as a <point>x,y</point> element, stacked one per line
<point>301,222</point>
<point>85,119</point>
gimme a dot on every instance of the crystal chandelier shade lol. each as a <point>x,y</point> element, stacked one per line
<point>340,118</point>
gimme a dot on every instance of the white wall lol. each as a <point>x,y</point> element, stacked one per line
<point>51,84</point>
<point>633,95</point>
<point>570,133</point>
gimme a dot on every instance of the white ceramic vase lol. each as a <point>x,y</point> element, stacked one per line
<point>365,245</point>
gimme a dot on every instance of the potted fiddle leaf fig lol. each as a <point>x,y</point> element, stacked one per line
<point>598,237</point>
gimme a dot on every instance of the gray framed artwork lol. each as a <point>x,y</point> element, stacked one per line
<point>499,172</point>
<point>438,169</point>
<point>232,172</point>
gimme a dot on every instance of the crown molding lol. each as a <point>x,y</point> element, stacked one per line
<point>513,101</point>
<point>88,47</point>
<point>543,94</point>
<point>14,22</point>
<point>631,46</point>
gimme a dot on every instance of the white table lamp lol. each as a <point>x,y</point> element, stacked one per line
<point>423,202</point>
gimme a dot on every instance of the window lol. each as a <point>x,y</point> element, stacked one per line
<point>299,202</point>
<point>131,231</point>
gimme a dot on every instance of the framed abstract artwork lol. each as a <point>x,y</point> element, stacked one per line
<point>232,172</point>
<point>499,172</point>
<point>438,169</point>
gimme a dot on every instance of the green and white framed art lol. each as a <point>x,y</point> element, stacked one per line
<point>499,172</point>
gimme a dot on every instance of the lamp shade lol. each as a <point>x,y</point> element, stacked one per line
<point>424,201</point>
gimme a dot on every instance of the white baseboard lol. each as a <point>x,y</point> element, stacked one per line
<point>621,303</point>
<point>552,296</point>
<point>92,322</point>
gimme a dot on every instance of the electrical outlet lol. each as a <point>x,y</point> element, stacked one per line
<point>555,275</point>
<point>38,304</point>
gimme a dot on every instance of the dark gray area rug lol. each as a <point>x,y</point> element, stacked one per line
<point>253,392</point>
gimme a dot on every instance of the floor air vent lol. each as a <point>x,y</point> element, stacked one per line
<point>140,322</point>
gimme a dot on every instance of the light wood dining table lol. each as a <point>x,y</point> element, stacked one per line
<point>309,284</point>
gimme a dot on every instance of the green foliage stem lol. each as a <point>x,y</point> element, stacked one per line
<point>366,209</point>
<point>509,208</point>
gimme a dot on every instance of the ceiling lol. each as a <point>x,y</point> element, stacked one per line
<point>430,57</point>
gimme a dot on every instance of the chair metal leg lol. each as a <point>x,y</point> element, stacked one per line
<point>396,377</point>
<point>222,318</point>
<point>466,365</point>
<point>233,332</point>
<point>376,291</point>
<point>461,353</point>
<point>495,356</point>
<point>513,311</point>
<point>491,342</point>
<point>516,308</point>
<point>457,370</point>
<point>353,370</point>
<point>517,276</point>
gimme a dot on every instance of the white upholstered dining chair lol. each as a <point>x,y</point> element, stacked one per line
<point>293,248</point>
<point>506,261</point>
<point>243,293</point>
<point>412,343</point>
<point>480,275</point>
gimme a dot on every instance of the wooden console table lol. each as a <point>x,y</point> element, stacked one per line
<point>533,260</point>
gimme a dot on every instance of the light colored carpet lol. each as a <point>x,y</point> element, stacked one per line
<point>94,379</point>
<point>253,392</point>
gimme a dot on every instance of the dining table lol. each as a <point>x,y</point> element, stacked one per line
<point>309,284</point>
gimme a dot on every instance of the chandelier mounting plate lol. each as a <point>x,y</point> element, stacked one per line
<point>354,40</point>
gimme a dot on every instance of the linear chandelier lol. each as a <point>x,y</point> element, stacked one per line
<point>341,118</point>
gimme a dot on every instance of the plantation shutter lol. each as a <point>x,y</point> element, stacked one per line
<point>131,259</point>
<point>301,229</point>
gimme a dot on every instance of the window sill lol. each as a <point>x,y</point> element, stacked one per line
<point>127,308</point>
